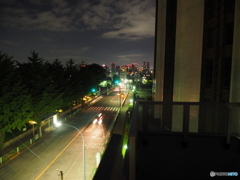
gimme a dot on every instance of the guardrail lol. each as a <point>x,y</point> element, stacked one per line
<point>11,154</point>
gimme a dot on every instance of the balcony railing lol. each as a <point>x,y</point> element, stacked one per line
<point>183,118</point>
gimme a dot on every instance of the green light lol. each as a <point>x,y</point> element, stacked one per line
<point>93,90</point>
<point>124,149</point>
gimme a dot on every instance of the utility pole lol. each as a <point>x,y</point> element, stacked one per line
<point>61,174</point>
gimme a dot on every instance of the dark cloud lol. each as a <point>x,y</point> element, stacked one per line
<point>123,19</point>
<point>77,28</point>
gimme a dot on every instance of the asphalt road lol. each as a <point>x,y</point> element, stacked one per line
<point>60,155</point>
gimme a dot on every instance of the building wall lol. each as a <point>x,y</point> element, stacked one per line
<point>235,76</point>
<point>199,62</point>
<point>178,63</point>
<point>197,58</point>
<point>160,49</point>
<point>217,50</point>
<point>188,53</point>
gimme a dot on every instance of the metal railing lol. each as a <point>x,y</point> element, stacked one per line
<point>184,118</point>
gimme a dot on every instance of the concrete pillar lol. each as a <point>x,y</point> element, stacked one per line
<point>188,59</point>
<point>235,76</point>
<point>159,56</point>
<point>234,120</point>
<point>188,51</point>
<point>160,49</point>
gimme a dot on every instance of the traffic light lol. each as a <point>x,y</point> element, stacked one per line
<point>116,81</point>
<point>93,90</point>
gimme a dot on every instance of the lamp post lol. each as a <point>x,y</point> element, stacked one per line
<point>120,96</point>
<point>32,123</point>
<point>84,164</point>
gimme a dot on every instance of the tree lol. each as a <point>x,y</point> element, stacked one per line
<point>94,74</point>
<point>99,72</point>
<point>57,72</point>
<point>73,88</point>
<point>31,90</point>
<point>15,103</point>
<point>45,98</point>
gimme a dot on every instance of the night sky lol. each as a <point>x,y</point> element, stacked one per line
<point>94,31</point>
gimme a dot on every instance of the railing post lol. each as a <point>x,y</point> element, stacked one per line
<point>132,141</point>
<point>231,113</point>
<point>186,110</point>
<point>132,158</point>
<point>145,117</point>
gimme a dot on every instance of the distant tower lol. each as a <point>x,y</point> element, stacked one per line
<point>148,66</point>
<point>134,67</point>
<point>113,67</point>
<point>144,66</point>
<point>117,68</point>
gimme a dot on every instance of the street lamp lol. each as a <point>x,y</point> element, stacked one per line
<point>32,123</point>
<point>120,95</point>
<point>84,164</point>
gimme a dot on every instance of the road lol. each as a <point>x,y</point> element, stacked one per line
<point>59,155</point>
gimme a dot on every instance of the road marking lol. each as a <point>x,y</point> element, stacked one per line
<point>90,128</point>
<point>95,145</point>
<point>57,156</point>
<point>101,108</point>
<point>115,99</point>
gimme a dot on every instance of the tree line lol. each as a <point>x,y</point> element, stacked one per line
<point>35,88</point>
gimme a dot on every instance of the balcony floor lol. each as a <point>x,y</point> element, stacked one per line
<point>164,156</point>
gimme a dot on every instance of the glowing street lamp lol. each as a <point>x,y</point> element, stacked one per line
<point>56,122</point>
<point>32,123</point>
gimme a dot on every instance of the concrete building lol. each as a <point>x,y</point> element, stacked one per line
<point>197,55</point>
<point>197,51</point>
